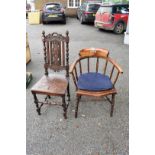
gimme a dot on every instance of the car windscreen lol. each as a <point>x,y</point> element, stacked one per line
<point>103,9</point>
<point>93,7</point>
<point>53,7</point>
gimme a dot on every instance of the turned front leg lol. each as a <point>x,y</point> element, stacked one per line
<point>68,92</point>
<point>64,107</point>
<point>36,103</point>
<point>112,104</point>
<point>77,105</point>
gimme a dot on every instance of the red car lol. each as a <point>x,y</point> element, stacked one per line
<point>112,17</point>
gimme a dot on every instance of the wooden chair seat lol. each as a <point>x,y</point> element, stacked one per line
<point>51,85</point>
<point>96,93</point>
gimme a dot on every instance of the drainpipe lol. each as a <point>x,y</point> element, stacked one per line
<point>126,37</point>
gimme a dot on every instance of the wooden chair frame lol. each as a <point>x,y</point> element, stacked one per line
<point>95,53</point>
<point>56,58</point>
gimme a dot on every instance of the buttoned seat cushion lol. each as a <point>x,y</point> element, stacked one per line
<point>94,82</point>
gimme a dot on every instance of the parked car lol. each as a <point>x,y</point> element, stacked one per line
<point>86,12</point>
<point>53,12</point>
<point>112,17</point>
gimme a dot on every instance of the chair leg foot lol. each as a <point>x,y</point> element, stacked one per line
<point>38,111</point>
<point>36,103</point>
<point>64,107</point>
<point>77,105</point>
<point>112,105</point>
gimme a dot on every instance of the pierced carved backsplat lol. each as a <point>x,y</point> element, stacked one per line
<point>55,51</point>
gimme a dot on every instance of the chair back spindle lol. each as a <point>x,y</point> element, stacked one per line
<point>88,64</point>
<point>97,64</point>
<point>105,66</point>
<point>80,67</point>
<point>112,71</point>
<point>76,75</point>
<point>115,80</point>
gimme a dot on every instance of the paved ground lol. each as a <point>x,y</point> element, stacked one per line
<point>94,132</point>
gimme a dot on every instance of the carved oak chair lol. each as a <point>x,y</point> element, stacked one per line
<point>95,83</point>
<point>56,57</point>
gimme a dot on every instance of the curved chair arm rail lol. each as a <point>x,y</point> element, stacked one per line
<point>115,64</point>
<point>73,69</point>
<point>72,66</point>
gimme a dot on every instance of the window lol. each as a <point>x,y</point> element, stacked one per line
<point>51,7</point>
<point>93,7</point>
<point>74,3</point>
<point>121,9</point>
<point>105,9</point>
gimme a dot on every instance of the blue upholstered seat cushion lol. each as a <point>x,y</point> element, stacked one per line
<point>94,82</point>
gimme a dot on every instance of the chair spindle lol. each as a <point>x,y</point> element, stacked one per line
<point>88,65</point>
<point>105,67</point>
<point>74,80</point>
<point>80,67</point>
<point>116,78</point>
<point>63,53</point>
<point>76,74</point>
<point>112,71</point>
<point>97,64</point>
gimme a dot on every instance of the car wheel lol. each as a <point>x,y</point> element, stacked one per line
<point>119,28</point>
<point>81,20</point>
<point>44,22</point>
<point>64,21</point>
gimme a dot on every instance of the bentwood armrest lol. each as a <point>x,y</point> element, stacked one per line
<point>116,65</point>
<point>72,66</point>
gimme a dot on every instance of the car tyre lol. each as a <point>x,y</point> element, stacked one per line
<point>119,28</point>
<point>81,20</point>
<point>44,22</point>
<point>64,21</point>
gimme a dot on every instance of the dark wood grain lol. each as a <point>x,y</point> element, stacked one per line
<point>56,58</point>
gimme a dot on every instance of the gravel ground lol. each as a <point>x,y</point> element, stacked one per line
<point>94,132</point>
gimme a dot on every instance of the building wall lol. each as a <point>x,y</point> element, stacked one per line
<point>69,11</point>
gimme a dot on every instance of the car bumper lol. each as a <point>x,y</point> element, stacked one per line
<point>102,25</point>
<point>49,18</point>
<point>89,18</point>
